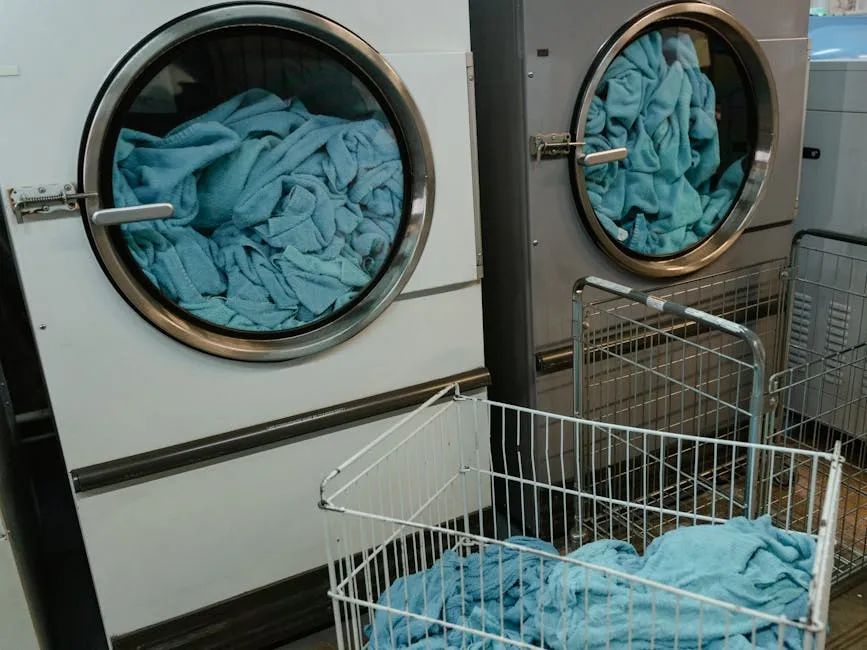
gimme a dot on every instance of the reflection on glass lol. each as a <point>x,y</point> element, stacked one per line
<point>676,98</point>
<point>285,176</point>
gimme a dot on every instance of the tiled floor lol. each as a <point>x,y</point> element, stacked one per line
<point>848,625</point>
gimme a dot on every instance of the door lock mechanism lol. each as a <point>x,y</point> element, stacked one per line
<point>30,200</point>
<point>558,145</point>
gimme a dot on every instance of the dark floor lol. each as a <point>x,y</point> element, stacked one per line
<point>848,625</point>
<point>322,641</point>
<point>849,619</point>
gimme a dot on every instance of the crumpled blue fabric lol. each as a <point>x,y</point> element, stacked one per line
<point>655,100</point>
<point>484,576</point>
<point>557,605</point>
<point>281,216</point>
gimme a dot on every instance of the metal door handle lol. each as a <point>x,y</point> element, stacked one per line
<point>602,157</point>
<point>117,216</point>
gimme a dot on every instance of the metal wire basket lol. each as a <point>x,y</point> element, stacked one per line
<point>820,395</point>
<point>668,369</point>
<point>647,361</point>
<point>418,498</point>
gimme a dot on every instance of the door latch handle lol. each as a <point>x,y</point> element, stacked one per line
<point>558,145</point>
<point>133,213</point>
<point>602,157</point>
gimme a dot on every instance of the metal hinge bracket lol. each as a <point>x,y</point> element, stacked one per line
<point>474,160</point>
<point>29,202</point>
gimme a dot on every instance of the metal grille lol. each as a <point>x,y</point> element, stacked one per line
<point>386,521</point>
<point>820,397</point>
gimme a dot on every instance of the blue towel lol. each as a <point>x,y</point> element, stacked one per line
<point>522,596</point>
<point>281,216</point>
<point>655,100</point>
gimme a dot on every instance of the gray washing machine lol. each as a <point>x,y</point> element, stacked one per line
<point>833,197</point>
<point>832,193</point>
<point>641,142</point>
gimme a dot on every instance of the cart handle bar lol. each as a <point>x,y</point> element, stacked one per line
<point>672,308</point>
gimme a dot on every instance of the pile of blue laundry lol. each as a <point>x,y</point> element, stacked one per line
<point>549,603</point>
<point>655,100</point>
<point>281,216</point>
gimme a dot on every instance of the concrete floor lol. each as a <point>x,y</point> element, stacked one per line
<point>848,625</point>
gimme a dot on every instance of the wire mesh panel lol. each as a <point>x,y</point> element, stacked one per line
<point>647,361</point>
<point>645,368</point>
<point>423,561</point>
<point>821,395</point>
<point>648,368</point>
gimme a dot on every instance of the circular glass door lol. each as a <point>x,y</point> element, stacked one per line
<point>264,182</point>
<point>677,123</point>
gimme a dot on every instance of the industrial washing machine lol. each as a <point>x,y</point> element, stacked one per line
<point>832,198</point>
<point>835,141</point>
<point>237,227</point>
<point>640,142</point>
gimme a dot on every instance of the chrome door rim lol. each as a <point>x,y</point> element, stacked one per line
<point>420,201</point>
<point>758,68</point>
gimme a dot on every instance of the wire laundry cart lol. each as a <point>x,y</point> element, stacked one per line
<point>819,395</point>
<point>417,500</point>
<point>641,365</point>
<point>690,360</point>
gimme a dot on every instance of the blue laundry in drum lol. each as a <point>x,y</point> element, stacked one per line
<point>523,596</point>
<point>655,100</point>
<point>281,216</point>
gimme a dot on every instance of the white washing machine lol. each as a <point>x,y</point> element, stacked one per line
<point>643,142</point>
<point>237,227</point>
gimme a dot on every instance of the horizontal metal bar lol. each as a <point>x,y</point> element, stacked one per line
<point>178,457</point>
<point>664,306</point>
<point>560,358</point>
<point>769,226</point>
<point>828,234</point>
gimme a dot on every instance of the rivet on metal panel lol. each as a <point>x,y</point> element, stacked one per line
<point>535,242</point>
<point>531,74</point>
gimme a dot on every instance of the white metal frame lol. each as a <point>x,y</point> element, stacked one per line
<point>374,540</point>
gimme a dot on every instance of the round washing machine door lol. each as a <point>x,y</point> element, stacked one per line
<point>675,129</point>
<point>264,182</point>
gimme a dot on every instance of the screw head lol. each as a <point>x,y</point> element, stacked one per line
<point>531,74</point>
<point>43,327</point>
<point>535,242</point>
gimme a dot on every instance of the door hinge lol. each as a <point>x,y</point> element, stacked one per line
<point>29,202</point>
